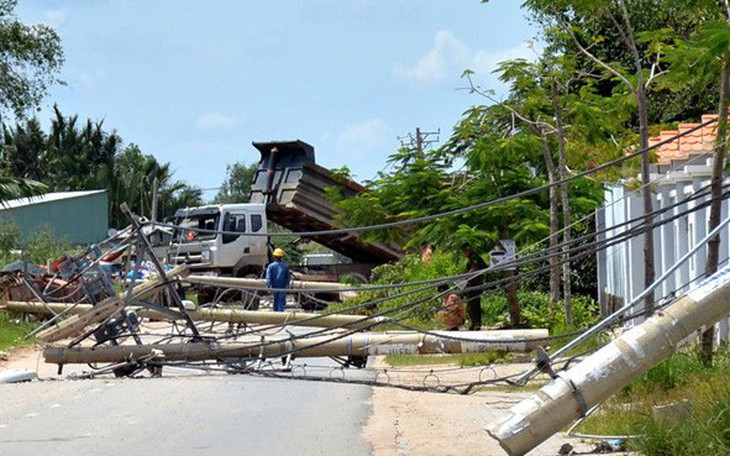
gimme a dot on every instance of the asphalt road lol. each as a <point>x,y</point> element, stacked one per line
<point>184,415</point>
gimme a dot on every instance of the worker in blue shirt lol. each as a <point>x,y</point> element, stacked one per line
<point>278,277</point>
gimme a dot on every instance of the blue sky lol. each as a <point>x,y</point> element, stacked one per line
<point>195,82</point>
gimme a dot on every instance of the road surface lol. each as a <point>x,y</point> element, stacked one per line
<point>194,414</point>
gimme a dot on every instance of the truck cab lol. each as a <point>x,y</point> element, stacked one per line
<point>199,243</point>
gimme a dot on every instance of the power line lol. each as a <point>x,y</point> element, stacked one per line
<point>475,207</point>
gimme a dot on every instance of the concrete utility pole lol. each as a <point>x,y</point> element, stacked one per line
<point>213,315</point>
<point>573,392</point>
<point>260,284</point>
<point>359,344</point>
<point>420,141</point>
<point>153,211</point>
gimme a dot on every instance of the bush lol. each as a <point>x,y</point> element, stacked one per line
<point>539,312</point>
<point>681,377</point>
<point>403,308</point>
<point>9,236</point>
<point>44,245</point>
<point>12,331</point>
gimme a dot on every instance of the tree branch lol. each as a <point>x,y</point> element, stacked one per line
<point>592,57</point>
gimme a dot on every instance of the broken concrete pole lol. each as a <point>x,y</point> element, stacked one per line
<point>260,284</point>
<point>599,376</point>
<point>360,344</point>
<point>216,315</point>
<point>74,325</point>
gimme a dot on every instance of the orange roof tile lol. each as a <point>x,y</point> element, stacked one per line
<point>699,141</point>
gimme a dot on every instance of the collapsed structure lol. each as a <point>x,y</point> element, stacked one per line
<point>97,323</point>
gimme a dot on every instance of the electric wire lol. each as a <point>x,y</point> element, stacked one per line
<point>463,210</point>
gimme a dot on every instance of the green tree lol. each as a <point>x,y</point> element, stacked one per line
<point>236,188</point>
<point>178,195</point>
<point>24,151</point>
<point>30,60</point>
<point>631,71</point>
<point>80,157</point>
<point>13,188</point>
<point>699,61</point>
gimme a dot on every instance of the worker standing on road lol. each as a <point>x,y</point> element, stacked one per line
<point>278,277</point>
<point>473,290</point>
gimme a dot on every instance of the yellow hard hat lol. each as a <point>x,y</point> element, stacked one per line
<point>278,253</point>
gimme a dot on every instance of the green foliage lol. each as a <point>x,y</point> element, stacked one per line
<point>14,188</point>
<point>40,246</point>
<point>460,359</point>
<point>31,58</point>
<point>9,237</point>
<point>236,188</point>
<point>681,377</point>
<point>413,187</point>
<point>133,182</point>
<point>84,156</point>
<point>539,312</point>
<point>409,269</point>
<point>600,26</point>
<point>44,245</point>
<point>13,331</point>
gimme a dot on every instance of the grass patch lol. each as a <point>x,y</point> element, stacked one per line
<point>13,331</point>
<point>463,360</point>
<point>682,377</point>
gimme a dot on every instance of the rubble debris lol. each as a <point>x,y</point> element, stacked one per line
<point>148,323</point>
<point>100,312</point>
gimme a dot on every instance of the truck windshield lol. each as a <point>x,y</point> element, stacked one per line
<point>191,223</point>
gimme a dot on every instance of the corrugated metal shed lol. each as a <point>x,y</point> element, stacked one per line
<point>76,217</point>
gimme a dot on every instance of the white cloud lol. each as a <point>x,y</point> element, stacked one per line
<point>215,122</point>
<point>365,135</point>
<point>55,18</point>
<point>449,57</point>
<point>197,149</point>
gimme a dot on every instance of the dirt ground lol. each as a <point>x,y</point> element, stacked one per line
<point>417,423</point>
<point>405,422</point>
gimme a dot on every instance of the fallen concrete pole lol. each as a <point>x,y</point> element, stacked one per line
<point>260,284</point>
<point>214,315</point>
<point>105,309</point>
<point>360,344</point>
<point>568,396</point>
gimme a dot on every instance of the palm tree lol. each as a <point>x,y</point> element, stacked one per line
<point>13,188</point>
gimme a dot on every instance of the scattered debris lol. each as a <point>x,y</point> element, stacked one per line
<point>125,312</point>
<point>17,376</point>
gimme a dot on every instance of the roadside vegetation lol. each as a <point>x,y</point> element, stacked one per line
<point>13,331</point>
<point>36,248</point>
<point>418,303</point>
<point>701,426</point>
<point>459,359</point>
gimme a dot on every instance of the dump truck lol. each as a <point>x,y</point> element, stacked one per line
<point>289,189</point>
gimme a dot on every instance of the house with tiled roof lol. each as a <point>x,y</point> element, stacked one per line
<point>680,178</point>
<point>699,141</point>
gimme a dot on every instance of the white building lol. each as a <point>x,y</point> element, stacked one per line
<point>682,173</point>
